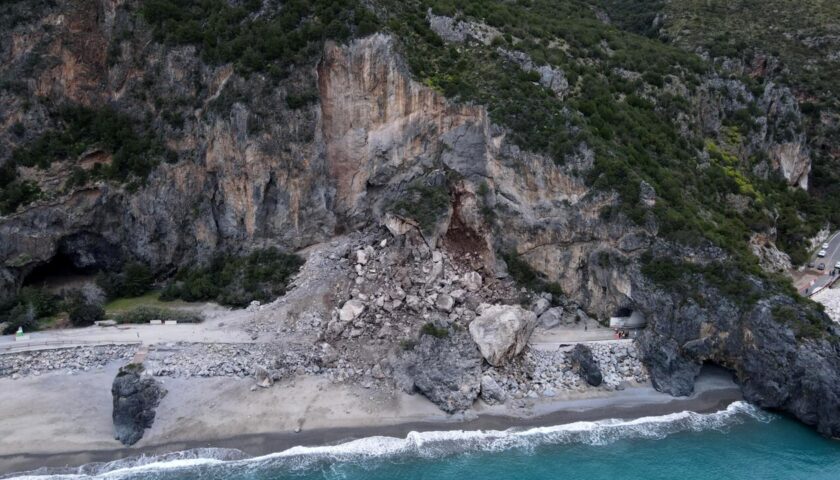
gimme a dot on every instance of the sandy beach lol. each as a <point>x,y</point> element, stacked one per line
<point>59,420</point>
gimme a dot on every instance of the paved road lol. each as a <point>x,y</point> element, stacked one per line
<point>817,279</point>
<point>218,330</point>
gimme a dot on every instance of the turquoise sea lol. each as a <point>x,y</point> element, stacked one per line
<point>738,443</point>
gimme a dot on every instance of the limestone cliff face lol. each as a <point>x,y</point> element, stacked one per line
<point>380,128</point>
<point>252,171</point>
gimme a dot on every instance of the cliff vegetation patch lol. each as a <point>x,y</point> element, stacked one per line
<point>258,37</point>
<point>132,153</point>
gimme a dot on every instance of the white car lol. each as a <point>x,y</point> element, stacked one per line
<point>825,246</point>
<point>837,265</point>
<point>821,253</point>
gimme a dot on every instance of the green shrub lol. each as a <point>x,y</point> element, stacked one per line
<point>235,280</point>
<point>255,38</point>
<point>137,280</point>
<point>423,203</point>
<point>525,276</point>
<point>42,301</point>
<point>145,314</point>
<point>19,316</point>
<point>296,101</point>
<point>437,332</point>
<point>134,280</point>
<point>135,151</point>
<point>80,311</point>
<point>17,193</point>
<point>805,324</point>
<point>27,307</point>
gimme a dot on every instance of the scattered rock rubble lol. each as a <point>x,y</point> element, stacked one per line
<point>68,360</point>
<point>540,373</point>
<point>386,313</point>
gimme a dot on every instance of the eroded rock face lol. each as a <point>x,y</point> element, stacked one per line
<point>445,370</point>
<point>776,368</point>
<point>502,332</point>
<point>136,396</point>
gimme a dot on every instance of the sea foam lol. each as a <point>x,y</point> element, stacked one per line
<point>420,444</point>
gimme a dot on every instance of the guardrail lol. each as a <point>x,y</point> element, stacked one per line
<point>26,345</point>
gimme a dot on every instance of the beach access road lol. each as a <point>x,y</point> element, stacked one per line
<point>227,328</point>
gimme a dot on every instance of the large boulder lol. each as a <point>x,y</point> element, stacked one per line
<point>491,392</point>
<point>502,331</point>
<point>446,370</point>
<point>136,395</point>
<point>584,364</point>
<point>551,317</point>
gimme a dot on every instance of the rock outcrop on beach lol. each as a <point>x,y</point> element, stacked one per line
<point>446,369</point>
<point>136,396</point>
<point>585,365</point>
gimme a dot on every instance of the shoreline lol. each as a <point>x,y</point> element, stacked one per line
<point>621,404</point>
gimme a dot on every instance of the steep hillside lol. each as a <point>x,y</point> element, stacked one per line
<point>583,156</point>
<point>794,44</point>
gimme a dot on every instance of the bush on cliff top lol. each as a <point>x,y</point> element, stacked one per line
<point>254,36</point>
<point>236,280</point>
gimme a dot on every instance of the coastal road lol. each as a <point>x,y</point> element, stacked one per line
<point>814,279</point>
<point>226,329</point>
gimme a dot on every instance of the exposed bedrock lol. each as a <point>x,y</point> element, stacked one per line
<point>776,368</point>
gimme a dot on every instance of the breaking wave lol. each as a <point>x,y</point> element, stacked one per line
<point>416,444</point>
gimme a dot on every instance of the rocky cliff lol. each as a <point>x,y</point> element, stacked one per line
<point>340,143</point>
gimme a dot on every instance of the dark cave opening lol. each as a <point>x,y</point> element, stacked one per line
<point>77,259</point>
<point>60,271</point>
<point>712,374</point>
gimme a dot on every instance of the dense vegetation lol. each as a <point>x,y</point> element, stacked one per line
<point>134,153</point>
<point>787,42</point>
<point>134,280</point>
<point>254,37</point>
<point>236,280</point>
<point>620,102</point>
<point>526,276</point>
<point>32,307</point>
<point>145,314</point>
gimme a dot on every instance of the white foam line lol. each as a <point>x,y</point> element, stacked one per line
<point>424,443</point>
